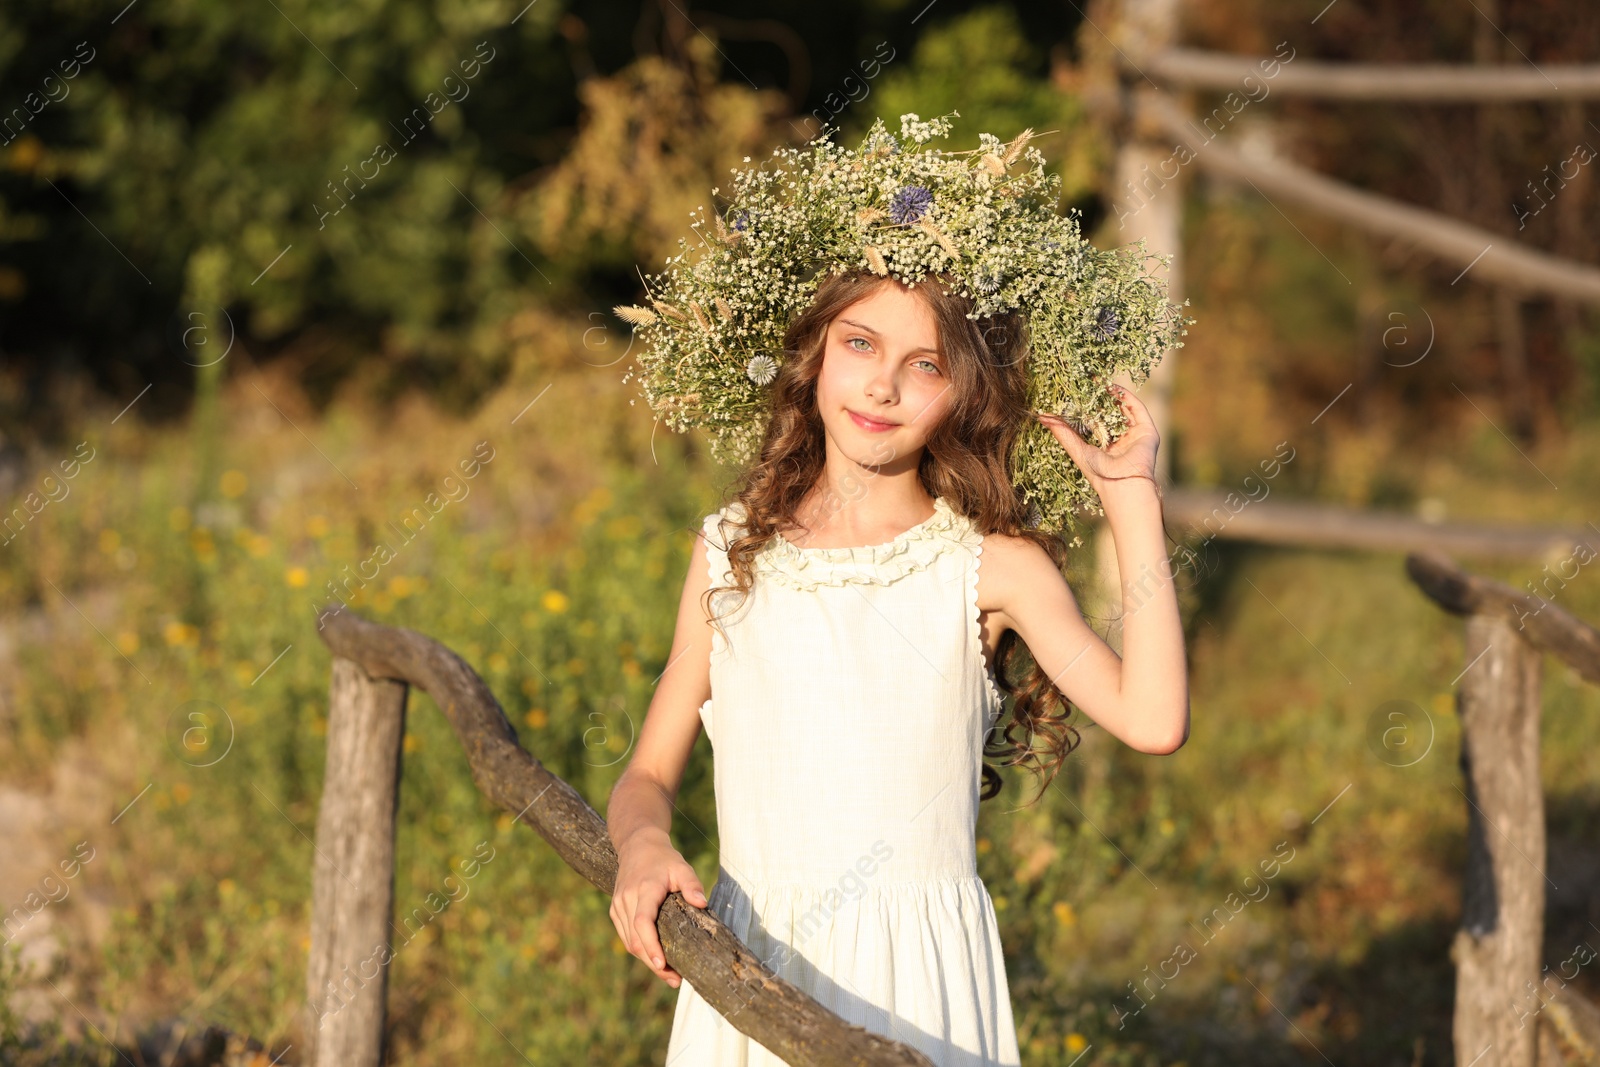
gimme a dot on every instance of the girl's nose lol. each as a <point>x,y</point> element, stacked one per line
<point>881,388</point>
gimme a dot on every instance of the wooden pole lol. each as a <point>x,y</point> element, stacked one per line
<point>1206,514</point>
<point>1195,68</point>
<point>352,881</point>
<point>1505,1012</point>
<point>1498,947</point>
<point>1151,26</point>
<point>1536,620</point>
<point>1492,258</point>
<point>1145,27</point>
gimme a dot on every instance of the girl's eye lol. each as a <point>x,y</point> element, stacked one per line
<point>863,340</point>
<point>930,363</point>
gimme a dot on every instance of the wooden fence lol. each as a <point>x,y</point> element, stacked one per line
<point>1501,983</point>
<point>342,1024</point>
<point>1496,951</point>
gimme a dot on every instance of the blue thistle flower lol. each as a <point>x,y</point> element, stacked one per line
<point>742,219</point>
<point>910,204</point>
<point>1107,322</point>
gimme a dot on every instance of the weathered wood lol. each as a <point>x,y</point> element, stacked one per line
<point>1533,619</point>
<point>1232,514</point>
<point>1196,68</point>
<point>352,881</point>
<point>1499,986</point>
<point>698,946</point>
<point>1154,216</point>
<point>1492,257</point>
<point>1498,947</point>
<point>1150,26</point>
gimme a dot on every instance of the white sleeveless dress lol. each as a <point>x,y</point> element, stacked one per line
<point>849,707</point>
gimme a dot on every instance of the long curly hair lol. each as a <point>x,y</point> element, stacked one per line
<point>965,461</point>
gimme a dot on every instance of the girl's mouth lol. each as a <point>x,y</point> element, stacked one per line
<point>871,425</point>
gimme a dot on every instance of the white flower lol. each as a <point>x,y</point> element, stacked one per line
<point>919,132</point>
<point>762,369</point>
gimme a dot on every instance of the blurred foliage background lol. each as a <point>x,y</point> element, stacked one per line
<point>279,268</point>
<point>212,157</point>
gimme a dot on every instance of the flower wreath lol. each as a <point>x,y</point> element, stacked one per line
<point>713,333</point>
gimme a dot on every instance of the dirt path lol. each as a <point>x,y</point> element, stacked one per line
<point>51,837</point>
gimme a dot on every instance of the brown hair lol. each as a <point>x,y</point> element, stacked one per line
<point>965,461</point>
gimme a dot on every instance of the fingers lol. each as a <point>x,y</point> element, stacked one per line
<point>646,941</point>
<point>1131,404</point>
<point>684,881</point>
<point>1056,424</point>
<point>644,927</point>
<point>638,896</point>
<point>635,921</point>
<point>1140,425</point>
<point>1069,438</point>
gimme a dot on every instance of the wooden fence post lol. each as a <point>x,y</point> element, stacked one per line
<point>1497,948</point>
<point>352,882</point>
<point>1506,1012</point>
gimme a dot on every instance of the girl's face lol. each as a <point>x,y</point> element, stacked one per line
<point>884,384</point>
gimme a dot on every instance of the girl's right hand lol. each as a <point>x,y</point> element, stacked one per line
<point>647,870</point>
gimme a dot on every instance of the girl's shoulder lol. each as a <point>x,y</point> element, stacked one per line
<point>1015,569</point>
<point>723,525</point>
<point>999,543</point>
<point>1012,553</point>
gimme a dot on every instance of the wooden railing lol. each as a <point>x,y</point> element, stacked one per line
<point>1496,951</point>
<point>1501,984</point>
<point>342,1024</point>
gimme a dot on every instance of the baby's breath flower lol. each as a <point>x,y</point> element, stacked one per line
<point>911,129</point>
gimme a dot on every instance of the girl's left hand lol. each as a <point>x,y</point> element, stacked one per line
<point>1133,455</point>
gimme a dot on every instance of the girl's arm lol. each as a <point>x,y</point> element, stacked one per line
<point>1141,697</point>
<point>642,799</point>
<point>639,813</point>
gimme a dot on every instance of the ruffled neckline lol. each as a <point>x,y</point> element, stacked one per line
<point>910,551</point>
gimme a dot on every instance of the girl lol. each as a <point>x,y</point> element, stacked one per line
<point>838,644</point>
